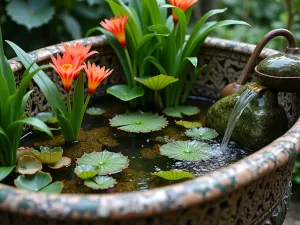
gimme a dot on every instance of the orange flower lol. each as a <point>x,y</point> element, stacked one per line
<point>95,75</point>
<point>67,68</point>
<point>182,4</point>
<point>78,50</point>
<point>117,26</point>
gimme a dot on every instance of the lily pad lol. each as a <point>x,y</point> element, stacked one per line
<point>63,162</point>
<point>38,182</point>
<point>188,124</point>
<point>95,111</point>
<point>47,117</point>
<point>139,122</point>
<point>174,175</point>
<point>187,150</point>
<point>204,133</point>
<point>156,82</point>
<point>22,151</point>
<point>48,155</point>
<point>179,111</point>
<point>5,171</point>
<point>107,162</point>
<point>125,93</point>
<point>100,183</point>
<point>86,171</point>
<point>28,165</point>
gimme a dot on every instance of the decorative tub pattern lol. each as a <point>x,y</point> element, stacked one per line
<point>254,190</point>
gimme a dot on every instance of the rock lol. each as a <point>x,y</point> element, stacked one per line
<point>262,121</point>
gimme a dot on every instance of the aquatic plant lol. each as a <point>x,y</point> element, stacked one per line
<point>149,42</point>
<point>188,124</point>
<point>204,133</point>
<point>100,182</point>
<point>13,101</point>
<point>48,155</point>
<point>95,111</point>
<point>139,122</point>
<point>38,182</point>
<point>179,111</point>
<point>63,162</point>
<point>86,171</point>
<point>28,165</point>
<point>70,68</point>
<point>173,175</point>
<point>187,150</point>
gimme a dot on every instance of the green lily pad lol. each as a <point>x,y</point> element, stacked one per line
<point>5,171</point>
<point>204,133</point>
<point>188,124</point>
<point>48,155</point>
<point>139,122</point>
<point>187,150</point>
<point>179,111</point>
<point>63,162</point>
<point>28,165</point>
<point>95,111</point>
<point>100,183</point>
<point>125,93</point>
<point>157,82</point>
<point>86,171</point>
<point>47,117</point>
<point>38,182</point>
<point>174,175</point>
<point>107,162</point>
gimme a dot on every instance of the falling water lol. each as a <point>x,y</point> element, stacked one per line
<point>237,111</point>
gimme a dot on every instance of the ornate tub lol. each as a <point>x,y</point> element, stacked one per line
<point>254,190</point>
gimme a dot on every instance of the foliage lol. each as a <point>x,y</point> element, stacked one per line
<point>204,133</point>
<point>155,45</point>
<point>86,171</point>
<point>28,165</point>
<point>48,155</point>
<point>93,111</point>
<point>100,182</point>
<point>173,175</point>
<point>125,93</point>
<point>63,162</point>
<point>296,171</point>
<point>139,122</point>
<point>13,102</point>
<point>188,124</point>
<point>5,171</point>
<point>179,111</point>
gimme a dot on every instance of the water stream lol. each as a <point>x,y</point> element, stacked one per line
<point>237,111</point>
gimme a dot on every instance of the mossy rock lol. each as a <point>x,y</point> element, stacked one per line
<point>262,121</point>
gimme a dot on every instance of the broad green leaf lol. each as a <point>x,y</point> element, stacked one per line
<point>125,93</point>
<point>72,25</point>
<point>28,165</point>
<point>48,155</point>
<point>158,82</point>
<point>174,175</point>
<point>63,162</point>
<point>188,124</point>
<point>86,171</point>
<point>5,171</point>
<point>34,182</point>
<point>154,10</point>
<point>139,122</point>
<point>202,133</point>
<point>31,13</point>
<point>179,111</point>
<point>55,187</point>
<point>47,117</point>
<point>187,150</point>
<point>100,183</point>
<point>107,162</point>
<point>95,111</point>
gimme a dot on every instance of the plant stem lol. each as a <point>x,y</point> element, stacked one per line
<point>69,105</point>
<point>86,104</point>
<point>132,81</point>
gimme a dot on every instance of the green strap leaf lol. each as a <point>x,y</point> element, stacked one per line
<point>66,127</point>
<point>155,62</point>
<point>5,171</point>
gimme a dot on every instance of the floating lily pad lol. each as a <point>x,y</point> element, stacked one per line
<point>204,133</point>
<point>179,111</point>
<point>22,151</point>
<point>86,171</point>
<point>174,175</point>
<point>39,182</point>
<point>95,111</point>
<point>63,162</point>
<point>107,162</point>
<point>100,183</point>
<point>188,124</point>
<point>5,171</point>
<point>48,155</point>
<point>125,93</point>
<point>156,82</point>
<point>139,122</point>
<point>187,150</point>
<point>28,165</point>
<point>47,117</point>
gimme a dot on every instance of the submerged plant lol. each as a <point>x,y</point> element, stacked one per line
<point>149,42</point>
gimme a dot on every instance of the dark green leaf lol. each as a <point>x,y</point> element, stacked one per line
<point>5,171</point>
<point>125,93</point>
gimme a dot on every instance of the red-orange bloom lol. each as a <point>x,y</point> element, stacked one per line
<point>117,26</point>
<point>78,50</point>
<point>67,68</point>
<point>182,4</point>
<point>95,75</point>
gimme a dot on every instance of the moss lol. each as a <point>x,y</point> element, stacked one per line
<point>108,141</point>
<point>150,153</point>
<point>262,121</point>
<point>51,143</point>
<point>77,150</point>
